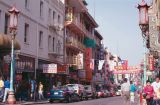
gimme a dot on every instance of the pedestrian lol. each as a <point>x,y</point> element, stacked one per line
<point>125,91</point>
<point>6,88</point>
<point>148,91</point>
<point>33,87</point>
<point>133,89</point>
<point>40,91</point>
<point>1,87</point>
<point>156,87</point>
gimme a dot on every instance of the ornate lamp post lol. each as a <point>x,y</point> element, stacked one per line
<point>13,30</point>
<point>144,26</point>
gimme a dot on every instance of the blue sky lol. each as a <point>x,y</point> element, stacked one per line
<point>118,24</point>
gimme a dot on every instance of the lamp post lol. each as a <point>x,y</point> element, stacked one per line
<point>144,26</point>
<point>13,30</point>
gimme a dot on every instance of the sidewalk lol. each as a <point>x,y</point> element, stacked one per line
<point>28,102</point>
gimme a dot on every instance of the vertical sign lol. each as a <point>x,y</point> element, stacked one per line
<point>151,62</point>
<point>80,61</point>
<point>88,56</point>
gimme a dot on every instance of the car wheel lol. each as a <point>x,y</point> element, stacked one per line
<point>51,100</point>
<point>69,99</point>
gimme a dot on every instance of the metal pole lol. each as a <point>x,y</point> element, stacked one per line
<point>145,63</point>
<point>12,65</point>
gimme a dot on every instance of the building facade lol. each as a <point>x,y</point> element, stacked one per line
<point>79,41</point>
<point>40,35</point>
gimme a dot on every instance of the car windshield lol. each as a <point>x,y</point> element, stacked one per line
<point>75,87</point>
<point>67,88</point>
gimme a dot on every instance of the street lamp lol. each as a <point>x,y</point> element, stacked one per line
<point>144,26</point>
<point>13,30</point>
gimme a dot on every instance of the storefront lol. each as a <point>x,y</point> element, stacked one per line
<point>25,68</point>
<point>5,50</point>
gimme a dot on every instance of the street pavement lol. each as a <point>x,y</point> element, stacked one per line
<point>101,101</point>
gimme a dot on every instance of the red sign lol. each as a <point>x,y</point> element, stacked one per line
<point>88,56</point>
<point>62,68</point>
<point>151,62</point>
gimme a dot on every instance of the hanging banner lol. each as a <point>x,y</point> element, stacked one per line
<point>80,62</point>
<point>92,64</point>
<point>88,55</point>
<point>101,62</point>
<point>151,62</point>
<point>49,68</point>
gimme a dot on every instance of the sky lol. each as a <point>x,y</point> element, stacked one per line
<point>118,24</point>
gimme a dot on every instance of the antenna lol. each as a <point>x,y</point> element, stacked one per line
<point>94,14</point>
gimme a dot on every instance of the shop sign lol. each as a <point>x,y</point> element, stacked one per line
<point>25,63</point>
<point>88,55</point>
<point>49,68</point>
<point>62,68</point>
<point>80,61</point>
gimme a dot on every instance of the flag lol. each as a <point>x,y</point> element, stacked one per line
<point>124,64</point>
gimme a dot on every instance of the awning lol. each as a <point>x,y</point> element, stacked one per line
<point>5,44</point>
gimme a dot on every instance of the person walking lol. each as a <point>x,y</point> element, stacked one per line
<point>6,89</point>
<point>125,91</point>
<point>33,89</point>
<point>156,88</point>
<point>149,92</point>
<point>40,91</point>
<point>133,89</point>
<point>1,87</point>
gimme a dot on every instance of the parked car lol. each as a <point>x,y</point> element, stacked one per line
<point>91,93</point>
<point>63,94</point>
<point>113,93</point>
<point>107,93</point>
<point>100,93</point>
<point>79,89</point>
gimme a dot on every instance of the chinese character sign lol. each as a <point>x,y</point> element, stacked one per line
<point>88,56</point>
<point>80,61</point>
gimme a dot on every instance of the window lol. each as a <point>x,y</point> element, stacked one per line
<point>26,32</point>
<point>49,15</point>
<point>41,9</point>
<point>6,24</point>
<point>58,47</point>
<point>27,4</point>
<point>54,13</point>
<point>53,43</point>
<point>59,19</point>
<point>49,43</point>
<point>40,39</point>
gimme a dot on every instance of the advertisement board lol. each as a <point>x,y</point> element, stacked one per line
<point>49,68</point>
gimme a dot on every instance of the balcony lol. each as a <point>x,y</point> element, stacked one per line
<point>72,60</point>
<point>74,43</point>
<point>75,25</point>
